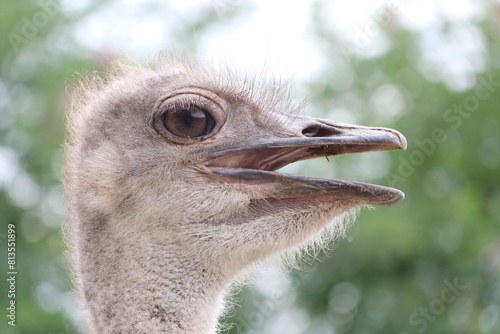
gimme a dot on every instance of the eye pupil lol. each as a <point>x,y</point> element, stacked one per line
<point>189,122</point>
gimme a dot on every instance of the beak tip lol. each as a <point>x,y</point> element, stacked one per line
<point>401,140</point>
<point>397,197</point>
<point>404,143</point>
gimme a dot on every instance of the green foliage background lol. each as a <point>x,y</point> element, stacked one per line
<point>395,263</point>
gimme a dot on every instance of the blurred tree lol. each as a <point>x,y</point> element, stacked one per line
<point>430,264</point>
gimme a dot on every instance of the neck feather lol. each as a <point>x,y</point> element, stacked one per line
<point>132,285</point>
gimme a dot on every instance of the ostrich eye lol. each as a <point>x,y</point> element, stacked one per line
<point>191,122</point>
<point>189,116</point>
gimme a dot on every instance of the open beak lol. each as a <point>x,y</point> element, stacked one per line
<point>255,162</point>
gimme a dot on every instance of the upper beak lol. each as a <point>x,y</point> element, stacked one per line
<point>254,162</point>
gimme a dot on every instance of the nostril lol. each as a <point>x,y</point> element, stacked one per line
<point>319,131</point>
<point>310,131</point>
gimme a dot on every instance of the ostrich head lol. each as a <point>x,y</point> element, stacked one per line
<point>172,190</point>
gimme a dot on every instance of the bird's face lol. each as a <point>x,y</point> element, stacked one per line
<point>196,156</point>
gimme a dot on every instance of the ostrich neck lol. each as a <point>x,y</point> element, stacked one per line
<point>137,286</point>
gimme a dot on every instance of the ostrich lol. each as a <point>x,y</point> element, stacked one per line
<point>172,191</point>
